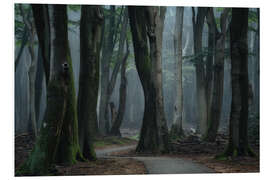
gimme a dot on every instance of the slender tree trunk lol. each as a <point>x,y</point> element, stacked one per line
<point>90,39</point>
<point>176,129</point>
<point>118,63</point>
<point>115,131</point>
<point>23,44</point>
<point>200,70</point>
<point>32,71</point>
<point>147,22</point>
<point>238,141</point>
<point>216,102</point>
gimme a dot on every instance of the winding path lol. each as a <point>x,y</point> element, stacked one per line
<point>160,165</point>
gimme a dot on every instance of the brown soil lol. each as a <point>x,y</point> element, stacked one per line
<point>104,167</point>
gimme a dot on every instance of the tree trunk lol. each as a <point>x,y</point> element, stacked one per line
<point>200,70</point>
<point>38,83</point>
<point>176,129</point>
<point>119,59</point>
<point>32,71</point>
<point>115,131</point>
<point>147,22</point>
<point>238,141</point>
<point>44,152</point>
<point>90,39</point>
<point>41,18</point>
<point>107,52</point>
<point>218,81</point>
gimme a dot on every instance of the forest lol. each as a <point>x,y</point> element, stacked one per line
<point>110,89</point>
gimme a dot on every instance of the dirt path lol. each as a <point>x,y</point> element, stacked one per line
<point>160,165</point>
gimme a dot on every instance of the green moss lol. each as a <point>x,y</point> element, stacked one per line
<point>235,153</point>
<point>221,157</point>
<point>69,150</point>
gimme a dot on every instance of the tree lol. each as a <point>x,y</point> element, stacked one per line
<point>176,129</point>
<point>59,131</point>
<point>216,100</point>
<point>90,39</point>
<point>115,130</point>
<point>107,52</point>
<point>30,29</point>
<point>198,24</point>
<point>238,140</point>
<point>147,24</point>
<point>41,18</point>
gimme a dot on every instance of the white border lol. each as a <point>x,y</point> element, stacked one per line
<point>7,83</point>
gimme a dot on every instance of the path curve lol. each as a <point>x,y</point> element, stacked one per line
<point>160,165</point>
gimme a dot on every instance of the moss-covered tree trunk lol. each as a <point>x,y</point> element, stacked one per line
<point>147,22</point>
<point>216,101</point>
<point>90,38</point>
<point>68,151</point>
<point>45,149</point>
<point>238,141</point>
<point>177,129</point>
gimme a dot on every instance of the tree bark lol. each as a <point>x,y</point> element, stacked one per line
<point>238,140</point>
<point>107,52</point>
<point>199,67</point>
<point>147,22</point>
<point>218,82</point>
<point>38,83</point>
<point>118,63</point>
<point>32,71</point>
<point>177,129</point>
<point>115,131</point>
<point>90,39</point>
<point>44,152</point>
<point>41,18</point>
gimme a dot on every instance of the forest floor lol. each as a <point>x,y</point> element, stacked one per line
<point>117,156</point>
<point>24,144</point>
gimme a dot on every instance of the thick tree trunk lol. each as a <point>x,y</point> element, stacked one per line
<point>200,70</point>
<point>90,39</point>
<point>69,150</point>
<point>218,81</point>
<point>108,46</point>
<point>176,129</point>
<point>238,141</point>
<point>44,152</point>
<point>147,22</point>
